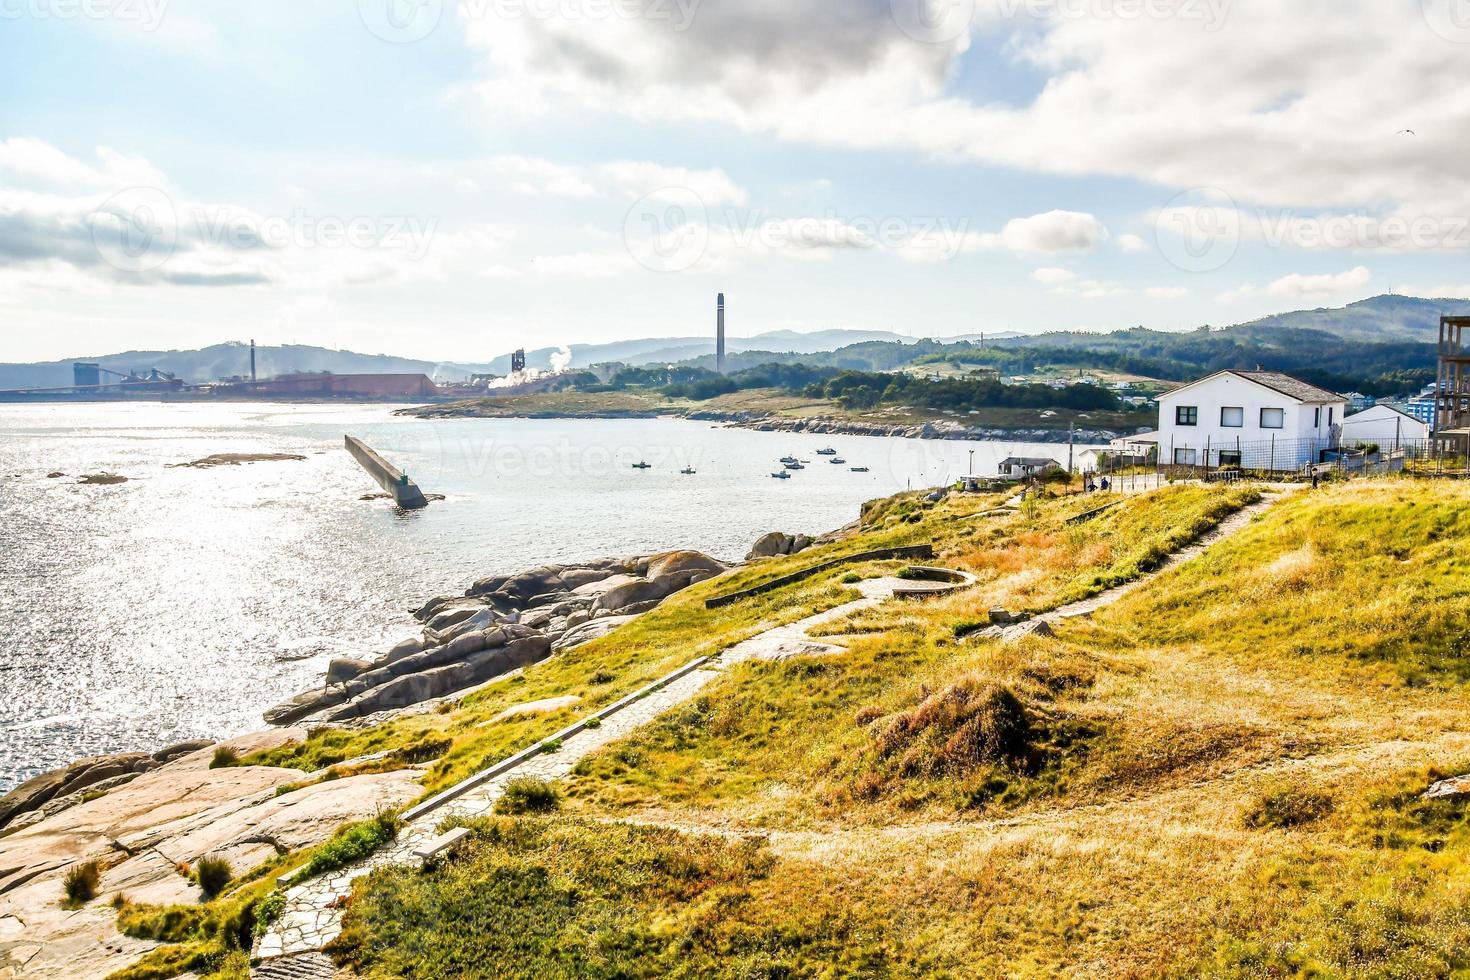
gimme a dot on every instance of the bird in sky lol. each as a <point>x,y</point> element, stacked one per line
<point>1409,131</point>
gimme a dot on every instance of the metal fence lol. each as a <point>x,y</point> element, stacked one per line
<point>1293,459</point>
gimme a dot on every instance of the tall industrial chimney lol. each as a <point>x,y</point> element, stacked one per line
<point>720,335</point>
<point>252,362</point>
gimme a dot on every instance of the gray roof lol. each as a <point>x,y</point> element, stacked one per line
<point>1030,461</point>
<point>1290,387</point>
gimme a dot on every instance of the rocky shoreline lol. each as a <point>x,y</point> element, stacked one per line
<point>145,820</point>
<point>816,424</point>
<point>826,425</point>
<point>500,624</point>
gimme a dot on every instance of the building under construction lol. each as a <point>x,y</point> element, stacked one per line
<point>1452,391</point>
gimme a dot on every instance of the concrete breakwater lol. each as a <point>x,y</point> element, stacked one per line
<point>405,492</point>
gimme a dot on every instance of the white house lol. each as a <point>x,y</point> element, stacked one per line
<point>1255,419</point>
<point>1026,467</point>
<point>1383,425</point>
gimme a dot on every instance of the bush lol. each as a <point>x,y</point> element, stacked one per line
<point>1289,807</point>
<point>213,874</point>
<point>959,728</point>
<point>80,883</point>
<point>851,578</point>
<point>526,794</point>
<point>353,843</point>
<point>224,757</point>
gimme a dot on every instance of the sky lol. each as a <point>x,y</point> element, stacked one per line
<point>452,180</point>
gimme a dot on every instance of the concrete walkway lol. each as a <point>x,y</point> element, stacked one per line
<point>313,913</point>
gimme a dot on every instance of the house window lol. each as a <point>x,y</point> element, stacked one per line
<point>1186,415</point>
<point>1273,418</point>
<point>1330,412</point>
<point>1232,418</point>
<point>1184,457</point>
<point>1317,418</point>
<point>1229,458</point>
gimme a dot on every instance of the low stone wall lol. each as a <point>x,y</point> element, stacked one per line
<point>922,551</point>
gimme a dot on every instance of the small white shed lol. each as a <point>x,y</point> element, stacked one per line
<point>1384,426</point>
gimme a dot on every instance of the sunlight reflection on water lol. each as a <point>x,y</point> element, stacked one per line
<point>184,602</point>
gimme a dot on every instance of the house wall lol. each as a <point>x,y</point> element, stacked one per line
<point>1383,426</point>
<point>1303,433</point>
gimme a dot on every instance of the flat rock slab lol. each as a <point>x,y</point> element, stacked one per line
<point>544,706</point>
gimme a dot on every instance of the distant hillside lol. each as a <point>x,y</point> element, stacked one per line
<point>1382,318</point>
<point>672,350</point>
<point>227,360</point>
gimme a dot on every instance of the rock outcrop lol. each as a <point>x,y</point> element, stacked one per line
<point>501,623</point>
<point>776,543</point>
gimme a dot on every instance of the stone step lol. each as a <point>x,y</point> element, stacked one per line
<point>307,966</point>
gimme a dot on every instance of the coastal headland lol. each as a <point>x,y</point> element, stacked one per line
<point>775,411</point>
<point>1137,704</point>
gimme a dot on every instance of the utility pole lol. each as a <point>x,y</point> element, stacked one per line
<point>972,462</point>
<point>1071,435</point>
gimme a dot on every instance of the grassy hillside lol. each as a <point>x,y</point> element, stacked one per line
<point>1218,775</point>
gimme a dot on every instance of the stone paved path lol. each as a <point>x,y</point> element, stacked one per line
<point>1085,607</point>
<point>313,913</point>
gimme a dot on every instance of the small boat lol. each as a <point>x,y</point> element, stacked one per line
<point>829,451</point>
<point>780,475</point>
<point>788,460</point>
<point>687,471</point>
<point>641,465</point>
<point>837,461</point>
<point>795,466</point>
<point>860,469</point>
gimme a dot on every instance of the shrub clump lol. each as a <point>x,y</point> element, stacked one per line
<point>353,843</point>
<point>527,794</point>
<point>80,883</point>
<point>224,757</point>
<point>966,725</point>
<point>213,874</point>
<point>1290,807</point>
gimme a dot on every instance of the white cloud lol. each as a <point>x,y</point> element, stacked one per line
<point>1265,100</point>
<point>1132,244</point>
<point>104,228</point>
<point>1166,292</point>
<point>1053,232</point>
<point>630,179</point>
<point>1052,276</point>
<point>1436,292</point>
<point>1297,286</point>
